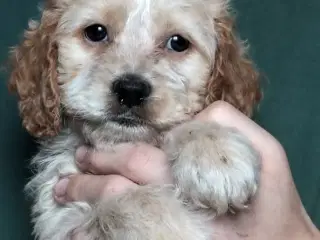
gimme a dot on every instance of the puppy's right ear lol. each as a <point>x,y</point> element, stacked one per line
<point>34,76</point>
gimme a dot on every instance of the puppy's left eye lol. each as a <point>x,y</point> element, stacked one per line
<point>96,33</point>
<point>178,43</point>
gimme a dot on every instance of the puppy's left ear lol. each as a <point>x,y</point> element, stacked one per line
<point>234,78</point>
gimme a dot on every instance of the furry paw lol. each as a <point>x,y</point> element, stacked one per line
<point>215,168</point>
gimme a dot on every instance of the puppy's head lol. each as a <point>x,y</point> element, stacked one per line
<point>129,62</point>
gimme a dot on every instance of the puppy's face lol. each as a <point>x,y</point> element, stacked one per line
<point>135,62</point>
<point>130,63</point>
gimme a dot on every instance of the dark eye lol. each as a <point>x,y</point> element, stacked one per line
<point>178,43</point>
<point>96,33</point>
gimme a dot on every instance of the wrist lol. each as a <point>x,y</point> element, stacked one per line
<point>309,232</point>
<point>312,232</point>
<point>299,227</point>
<point>314,235</point>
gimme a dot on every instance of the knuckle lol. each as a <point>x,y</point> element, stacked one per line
<point>73,188</point>
<point>96,162</point>
<point>92,160</point>
<point>139,157</point>
<point>220,109</point>
<point>275,149</point>
<point>115,184</point>
<point>222,105</point>
<point>143,156</point>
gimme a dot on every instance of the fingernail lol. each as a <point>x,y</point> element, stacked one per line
<point>81,154</point>
<point>61,188</point>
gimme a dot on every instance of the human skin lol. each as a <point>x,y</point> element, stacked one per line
<point>275,213</point>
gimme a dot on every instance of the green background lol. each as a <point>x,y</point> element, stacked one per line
<point>285,42</point>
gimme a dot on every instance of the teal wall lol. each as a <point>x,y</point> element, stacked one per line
<point>285,39</point>
<point>285,43</point>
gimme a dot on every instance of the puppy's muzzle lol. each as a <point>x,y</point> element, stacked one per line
<point>131,90</point>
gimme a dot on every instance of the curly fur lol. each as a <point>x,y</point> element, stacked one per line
<point>63,85</point>
<point>34,78</point>
<point>234,78</point>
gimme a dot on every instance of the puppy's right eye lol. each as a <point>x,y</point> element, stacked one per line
<point>178,43</point>
<point>96,33</point>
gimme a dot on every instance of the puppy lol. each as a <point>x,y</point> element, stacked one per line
<point>104,72</point>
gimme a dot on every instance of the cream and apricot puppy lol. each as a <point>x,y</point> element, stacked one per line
<point>102,72</point>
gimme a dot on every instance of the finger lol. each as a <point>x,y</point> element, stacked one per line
<point>226,115</point>
<point>90,188</point>
<point>101,162</point>
<point>139,162</point>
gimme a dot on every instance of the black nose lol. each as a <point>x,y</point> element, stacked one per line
<point>131,90</point>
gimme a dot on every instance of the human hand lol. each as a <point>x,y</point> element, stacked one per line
<point>275,213</point>
<point>126,166</point>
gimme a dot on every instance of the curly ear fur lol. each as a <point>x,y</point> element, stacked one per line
<point>234,78</point>
<point>34,77</point>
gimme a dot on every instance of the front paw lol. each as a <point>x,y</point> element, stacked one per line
<point>215,168</point>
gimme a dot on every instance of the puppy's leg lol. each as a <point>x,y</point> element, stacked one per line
<point>51,220</point>
<point>147,213</point>
<point>216,168</point>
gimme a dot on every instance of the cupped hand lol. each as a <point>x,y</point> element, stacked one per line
<point>275,213</point>
<point>126,166</point>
